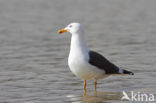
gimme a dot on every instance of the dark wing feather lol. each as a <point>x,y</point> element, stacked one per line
<point>101,62</point>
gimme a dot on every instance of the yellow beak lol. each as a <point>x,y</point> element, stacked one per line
<point>61,31</point>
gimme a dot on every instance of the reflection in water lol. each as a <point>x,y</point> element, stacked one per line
<point>101,97</point>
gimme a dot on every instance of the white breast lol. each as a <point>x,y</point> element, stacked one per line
<point>82,69</point>
<point>78,60</point>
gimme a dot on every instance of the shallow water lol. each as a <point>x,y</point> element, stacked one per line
<point>33,58</point>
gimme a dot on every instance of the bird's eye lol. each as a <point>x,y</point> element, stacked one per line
<point>70,26</point>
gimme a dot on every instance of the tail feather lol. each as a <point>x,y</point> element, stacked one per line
<point>127,72</point>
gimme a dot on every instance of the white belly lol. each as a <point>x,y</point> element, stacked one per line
<point>81,68</point>
<point>78,60</point>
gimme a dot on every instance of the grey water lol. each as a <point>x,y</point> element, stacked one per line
<point>33,57</point>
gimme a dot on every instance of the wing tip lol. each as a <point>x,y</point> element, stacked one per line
<point>128,72</point>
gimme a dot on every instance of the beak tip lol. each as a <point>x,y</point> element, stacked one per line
<point>58,32</point>
<point>61,31</point>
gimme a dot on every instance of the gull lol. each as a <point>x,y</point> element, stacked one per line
<point>85,63</point>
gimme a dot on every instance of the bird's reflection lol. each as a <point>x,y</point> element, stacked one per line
<point>100,97</point>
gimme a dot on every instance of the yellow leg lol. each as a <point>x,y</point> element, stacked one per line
<point>95,83</point>
<point>84,88</point>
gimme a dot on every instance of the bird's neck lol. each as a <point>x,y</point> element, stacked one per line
<point>78,44</point>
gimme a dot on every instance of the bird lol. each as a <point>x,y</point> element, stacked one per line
<point>85,63</point>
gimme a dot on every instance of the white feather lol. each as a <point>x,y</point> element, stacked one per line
<point>79,57</point>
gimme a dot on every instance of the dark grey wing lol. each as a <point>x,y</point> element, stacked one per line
<point>101,62</point>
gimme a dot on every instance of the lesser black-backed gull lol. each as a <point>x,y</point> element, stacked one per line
<point>87,64</point>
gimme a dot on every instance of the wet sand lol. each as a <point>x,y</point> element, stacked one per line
<point>33,58</point>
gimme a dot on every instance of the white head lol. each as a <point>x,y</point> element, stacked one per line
<point>73,28</point>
